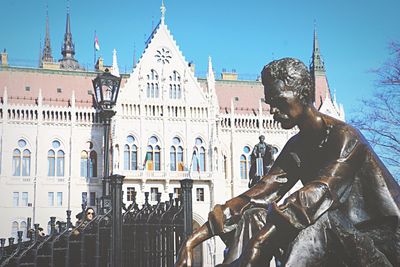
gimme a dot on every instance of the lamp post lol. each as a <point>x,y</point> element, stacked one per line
<point>106,88</point>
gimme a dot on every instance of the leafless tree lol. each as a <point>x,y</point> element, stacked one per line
<point>379,116</point>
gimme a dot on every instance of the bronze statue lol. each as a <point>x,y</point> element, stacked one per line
<point>346,214</point>
<point>263,154</point>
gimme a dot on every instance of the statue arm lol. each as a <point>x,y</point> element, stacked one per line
<point>328,191</point>
<point>223,218</point>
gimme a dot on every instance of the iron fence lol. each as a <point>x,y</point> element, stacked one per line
<point>151,236</point>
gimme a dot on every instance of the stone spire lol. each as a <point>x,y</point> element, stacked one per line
<point>46,55</point>
<point>163,9</point>
<point>115,69</point>
<point>317,64</point>
<point>317,70</point>
<point>68,48</point>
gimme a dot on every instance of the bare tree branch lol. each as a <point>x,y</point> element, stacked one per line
<point>379,117</point>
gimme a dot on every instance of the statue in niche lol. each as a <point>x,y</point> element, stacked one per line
<point>262,158</point>
<point>347,212</point>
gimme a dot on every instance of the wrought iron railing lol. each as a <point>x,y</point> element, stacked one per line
<point>151,236</point>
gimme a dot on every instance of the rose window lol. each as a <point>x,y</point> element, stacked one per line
<point>163,55</point>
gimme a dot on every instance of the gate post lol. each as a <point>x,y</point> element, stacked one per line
<point>116,233</point>
<point>187,185</point>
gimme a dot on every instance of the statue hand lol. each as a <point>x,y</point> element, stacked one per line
<point>185,256</point>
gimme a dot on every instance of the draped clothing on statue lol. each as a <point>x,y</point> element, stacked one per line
<point>340,173</point>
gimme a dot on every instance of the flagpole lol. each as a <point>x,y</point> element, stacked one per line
<point>94,52</point>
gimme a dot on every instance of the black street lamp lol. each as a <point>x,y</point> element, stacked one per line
<point>106,89</point>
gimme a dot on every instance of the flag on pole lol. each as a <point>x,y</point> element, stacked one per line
<point>96,43</point>
<point>148,162</point>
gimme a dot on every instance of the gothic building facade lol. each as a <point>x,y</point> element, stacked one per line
<point>169,125</point>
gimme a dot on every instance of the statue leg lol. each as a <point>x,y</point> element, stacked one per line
<point>260,248</point>
<point>185,255</point>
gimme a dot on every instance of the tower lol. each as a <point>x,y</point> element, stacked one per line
<point>68,49</point>
<point>46,54</point>
<point>317,70</point>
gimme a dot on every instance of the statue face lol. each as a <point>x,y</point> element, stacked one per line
<point>285,105</point>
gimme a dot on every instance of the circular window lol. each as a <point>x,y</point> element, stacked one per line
<point>89,145</point>
<point>246,149</point>
<point>199,142</point>
<point>21,143</point>
<point>176,141</point>
<point>56,144</point>
<point>130,139</point>
<point>153,140</point>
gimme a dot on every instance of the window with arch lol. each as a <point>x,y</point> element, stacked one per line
<point>56,159</point>
<point>21,162</point>
<point>175,89</point>
<point>130,154</point>
<point>245,163</point>
<point>153,155</point>
<point>23,228</point>
<point>176,155</point>
<point>14,229</point>
<point>89,161</point>
<point>152,85</point>
<point>199,156</point>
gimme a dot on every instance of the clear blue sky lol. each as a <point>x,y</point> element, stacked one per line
<point>241,35</point>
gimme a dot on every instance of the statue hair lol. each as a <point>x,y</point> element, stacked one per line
<point>293,73</point>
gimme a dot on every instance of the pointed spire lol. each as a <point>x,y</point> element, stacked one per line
<point>163,9</point>
<point>317,64</point>
<point>46,55</point>
<point>210,78</point>
<point>115,69</point>
<point>68,48</point>
<point>210,72</point>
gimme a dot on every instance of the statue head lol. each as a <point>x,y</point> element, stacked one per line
<point>288,90</point>
<point>261,138</point>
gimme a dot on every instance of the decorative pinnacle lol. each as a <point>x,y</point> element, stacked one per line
<point>163,9</point>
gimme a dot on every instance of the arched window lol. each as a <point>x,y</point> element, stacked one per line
<point>153,155</point>
<point>176,155</point>
<point>130,154</point>
<point>89,161</point>
<point>16,167</point>
<point>60,162</point>
<point>21,163</point>
<point>152,85</point>
<point>14,229</point>
<point>51,159</point>
<point>93,164</point>
<point>23,228</point>
<point>84,163</point>
<point>175,85</point>
<point>26,163</point>
<point>245,163</point>
<point>56,160</point>
<point>199,156</point>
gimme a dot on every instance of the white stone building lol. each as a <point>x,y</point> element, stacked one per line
<point>51,141</point>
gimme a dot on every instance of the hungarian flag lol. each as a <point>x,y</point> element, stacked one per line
<point>96,43</point>
<point>148,162</point>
